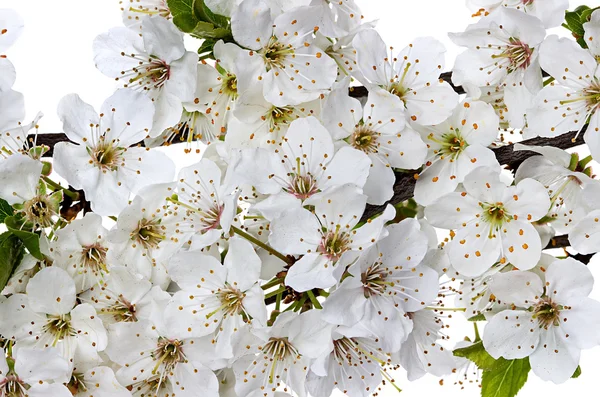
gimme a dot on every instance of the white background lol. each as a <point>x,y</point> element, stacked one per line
<point>54,58</point>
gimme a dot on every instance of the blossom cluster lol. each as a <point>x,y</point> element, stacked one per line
<point>280,263</point>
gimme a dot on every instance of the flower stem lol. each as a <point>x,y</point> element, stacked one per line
<point>272,283</point>
<point>57,186</point>
<point>262,245</point>
<point>446,309</point>
<point>276,292</point>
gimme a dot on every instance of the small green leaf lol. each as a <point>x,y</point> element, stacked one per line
<point>505,379</point>
<point>183,14</point>
<point>205,30</point>
<point>573,21</point>
<point>577,373</point>
<point>30,240</point>
<point>11,254</point>
<point>478,355</point>
<point>5,210</point>
<point>193,17</point>
<point>203,13</point>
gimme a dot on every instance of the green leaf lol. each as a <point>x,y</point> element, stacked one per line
<point>30,240</point>
<point>183,14</point>
<point>5,210</point>
<point>573,21</point>
<point>478,355</point>
<point>206,49</point>
<point>577,373</point>
<point>11,254</point>
<point>205,14</point>
<point>193,17</point>
<point>505,379</point>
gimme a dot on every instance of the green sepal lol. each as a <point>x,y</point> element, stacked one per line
<point>31,240</point>
<point>5,210</point>
<point>477,317</point>
<point>37,152</point>
<point>46,168</point>
<point>11,254</point>
<point>577,373</point>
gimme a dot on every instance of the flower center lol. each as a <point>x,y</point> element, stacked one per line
<point>151,9</point>
<point>495,214</point>
<point>106,156</point>
<point>231,300</point>
<point>76,384</point>
<point>94,257</point>
<point>152,75</point>
<point>334,244</point>
<point>547,312</point>
<point>303,186</point>
<point>275,54</point>
<point>149,233</point>
<point>399,90</point>
<point>211,217</point>
<point>452,144</point>
<point>374,280</point>
<point>39,211</point>
<point>279,349</point>
<point>229,86</point>
<point>592,95</point>
<point>122,311</point>
<point>364,139</point>
<point>517,53</point>
<point>168,352</point>
<point>345,351</point>
<point>13,386</point>
<point>59,327</point>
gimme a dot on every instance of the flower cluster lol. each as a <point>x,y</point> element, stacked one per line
<point>282,261</point>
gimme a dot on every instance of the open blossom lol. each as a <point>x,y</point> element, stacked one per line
<point>156,64</point>
<point>282,356</point>
<point>352,365</point>
<point>101,160</point>
<point>81,249</point>
<point>294,70</point>
<point>411,74</point>
<point>304,164</point>
<point>570,188</point>
<point>387,282</point>
<point>492,222</point>
<point>98,382</point>
<point>49,316</point>
<point>40,373</point>
<point>574,96</point>
<point>13,131</point>
<point>551,320</point>
<point>217,299</point>
<point>379,131</point>
<point>502,51</point>
<point>327,238</point>
<point>456,147</point>
<point>551,12</point>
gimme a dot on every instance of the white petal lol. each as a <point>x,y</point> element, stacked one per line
<point>102,382</point>
<point>19,178</point>
<point>79,119</point>
<point>11,24</point>
<point>371,55</point>
<point>345,305</point>
<point>452,210</point>
<point>573,68</point>
<point>311,271</point>
<point>585,236</point>
<point>193,379</point>
<point>163,39</point>
<point>49,390</point>
<point>38,365</point>
<point>187,269</point>
<point>512,334</point>
<point>295,232</point>
<point>568,279</point>
<point>51,291</point>
<point>89,326</point>
<point>431,105</point>
<point>521,289</point>
<point>311,335</point>
<point>242,264</point>
<point>558,360</point>
<point>251,24</point>
<point>521,244</point>
<point>379,186</point>
<point>484,184</point>
<point>347,166</point>
<point>472,251</point>
<point>127,117</point>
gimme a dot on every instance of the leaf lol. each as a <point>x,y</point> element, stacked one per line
<point>573,21</point>
<point>30,240</point>
<point>476,353</point>
<point>205,14</point>
<point>577,373</point>
<point>193,17</point>
<point>505,379</point>
<point>5,210</point>
<point>11,254</point>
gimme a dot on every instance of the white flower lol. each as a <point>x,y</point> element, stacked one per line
<point>17,283</point>
<point>48,316</point>
<point>386,283</point>
<point>81,249</point>
<point>585,236</point>
<point>147,233</point>
<point>325,237</point>
<point>456,147</point>
<point>336,18</point>
<point>282,356</point>
<point>101,161</point>
<point>136,11</point>
<point>493,222</point>
<point>207,205</point>
<point>574,96</point>
<point>294,70</point>
<point>568,186</point>
<point>219,87</point>
<point>258,123</point>
<point>11,27</point>
<point>551,321</point>
<point>33,372</point>
<point>421,353</point>
<point>305,163</point>
<point>353,365</point>
<point>13,133</point>
<point>378,130</point>
<point>156,64</point>
<point>503,52</point>
<point>153,362</point>
<point>412,75</point>
<point>121,296</point>
<point>551,12</point>
<point>217,297</point>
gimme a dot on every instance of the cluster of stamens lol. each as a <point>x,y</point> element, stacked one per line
<point>39,211</point>
<point>334,244</point>
<point>374,280</point>
<point>547,313</point>
<point>168,352</point>
<point>93,257</point>
<point>59,327</point>
<point>495,214</point>
<point>106,156</point>
<point>452,144</point>
<point>303,186</point>
<point>122,310</point>
<point>152,75</point>
<point>231,300</point>
<point>275,53</point>
<point>229,86</point>
<point>518,54</point>
<point>364,139</point>
<point>13,386</point>
<point>149,233</point>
